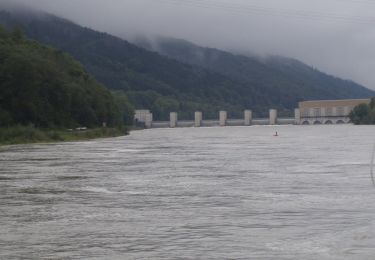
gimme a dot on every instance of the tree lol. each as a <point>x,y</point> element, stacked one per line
<point>361,114</point>
<point>126,110</point>
<point>17,34</point>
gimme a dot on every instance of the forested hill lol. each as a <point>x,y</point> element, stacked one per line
<point>149,79</point>
<point>47,88</point>
<point>276,74</point>
<point>164,84</point>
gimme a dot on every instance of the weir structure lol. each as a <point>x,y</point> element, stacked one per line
<point>145,120</point>
<point>308,113</point>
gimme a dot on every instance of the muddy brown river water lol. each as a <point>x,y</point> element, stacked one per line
<point>192,193</point>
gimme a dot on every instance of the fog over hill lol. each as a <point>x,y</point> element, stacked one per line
<point>217,80</point>
<point>336,36</point>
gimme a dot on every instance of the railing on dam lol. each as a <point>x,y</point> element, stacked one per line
<point>247,120</point>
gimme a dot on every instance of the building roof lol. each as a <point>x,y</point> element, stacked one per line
<point>333,103</point>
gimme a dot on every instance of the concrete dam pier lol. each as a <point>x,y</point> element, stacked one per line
<point>145,118</point>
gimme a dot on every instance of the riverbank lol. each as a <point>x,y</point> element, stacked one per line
<point>28,134</point>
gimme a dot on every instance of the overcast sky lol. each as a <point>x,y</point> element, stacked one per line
<point>335,36</point>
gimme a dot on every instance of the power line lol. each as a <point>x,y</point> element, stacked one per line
<point>261,10</point>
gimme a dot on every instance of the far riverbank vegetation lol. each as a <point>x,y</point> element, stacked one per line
<point>363,114</point>
<point>30,134</point>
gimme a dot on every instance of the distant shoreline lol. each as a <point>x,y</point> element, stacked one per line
<point>30,135</point>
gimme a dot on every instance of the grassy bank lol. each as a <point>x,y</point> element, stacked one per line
<point>28,134</point>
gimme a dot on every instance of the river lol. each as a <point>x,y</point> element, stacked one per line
<point>192,193</point>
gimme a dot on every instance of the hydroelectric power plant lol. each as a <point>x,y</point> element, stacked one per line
<point>307,113</point>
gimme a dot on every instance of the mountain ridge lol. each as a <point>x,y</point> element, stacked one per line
<point>245,67</point>
<point>164,84</point>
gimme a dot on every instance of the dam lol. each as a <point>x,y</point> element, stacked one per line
<point>222,120</point>
<point>144,118</point>
<point>314,112</point>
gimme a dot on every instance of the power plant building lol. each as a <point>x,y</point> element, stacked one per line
<point>328,111</point>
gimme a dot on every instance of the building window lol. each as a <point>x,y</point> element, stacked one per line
<point>329,111</point>
<point>317,112</point>
<point>340,111</point>
<point>348,109</point>
<point>305,112</point>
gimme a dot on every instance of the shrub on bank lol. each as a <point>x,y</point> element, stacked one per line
<point>29,134</point>
<point>363,114</point>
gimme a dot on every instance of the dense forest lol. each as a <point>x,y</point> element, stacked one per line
<point>222,81</point>
<point>285,80</point>
<point>46,88</point>
<point>149,79</point>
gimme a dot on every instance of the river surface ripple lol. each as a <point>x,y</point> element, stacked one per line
<point>194,193</point>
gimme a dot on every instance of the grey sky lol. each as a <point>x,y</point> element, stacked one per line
<point>336,36</point>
